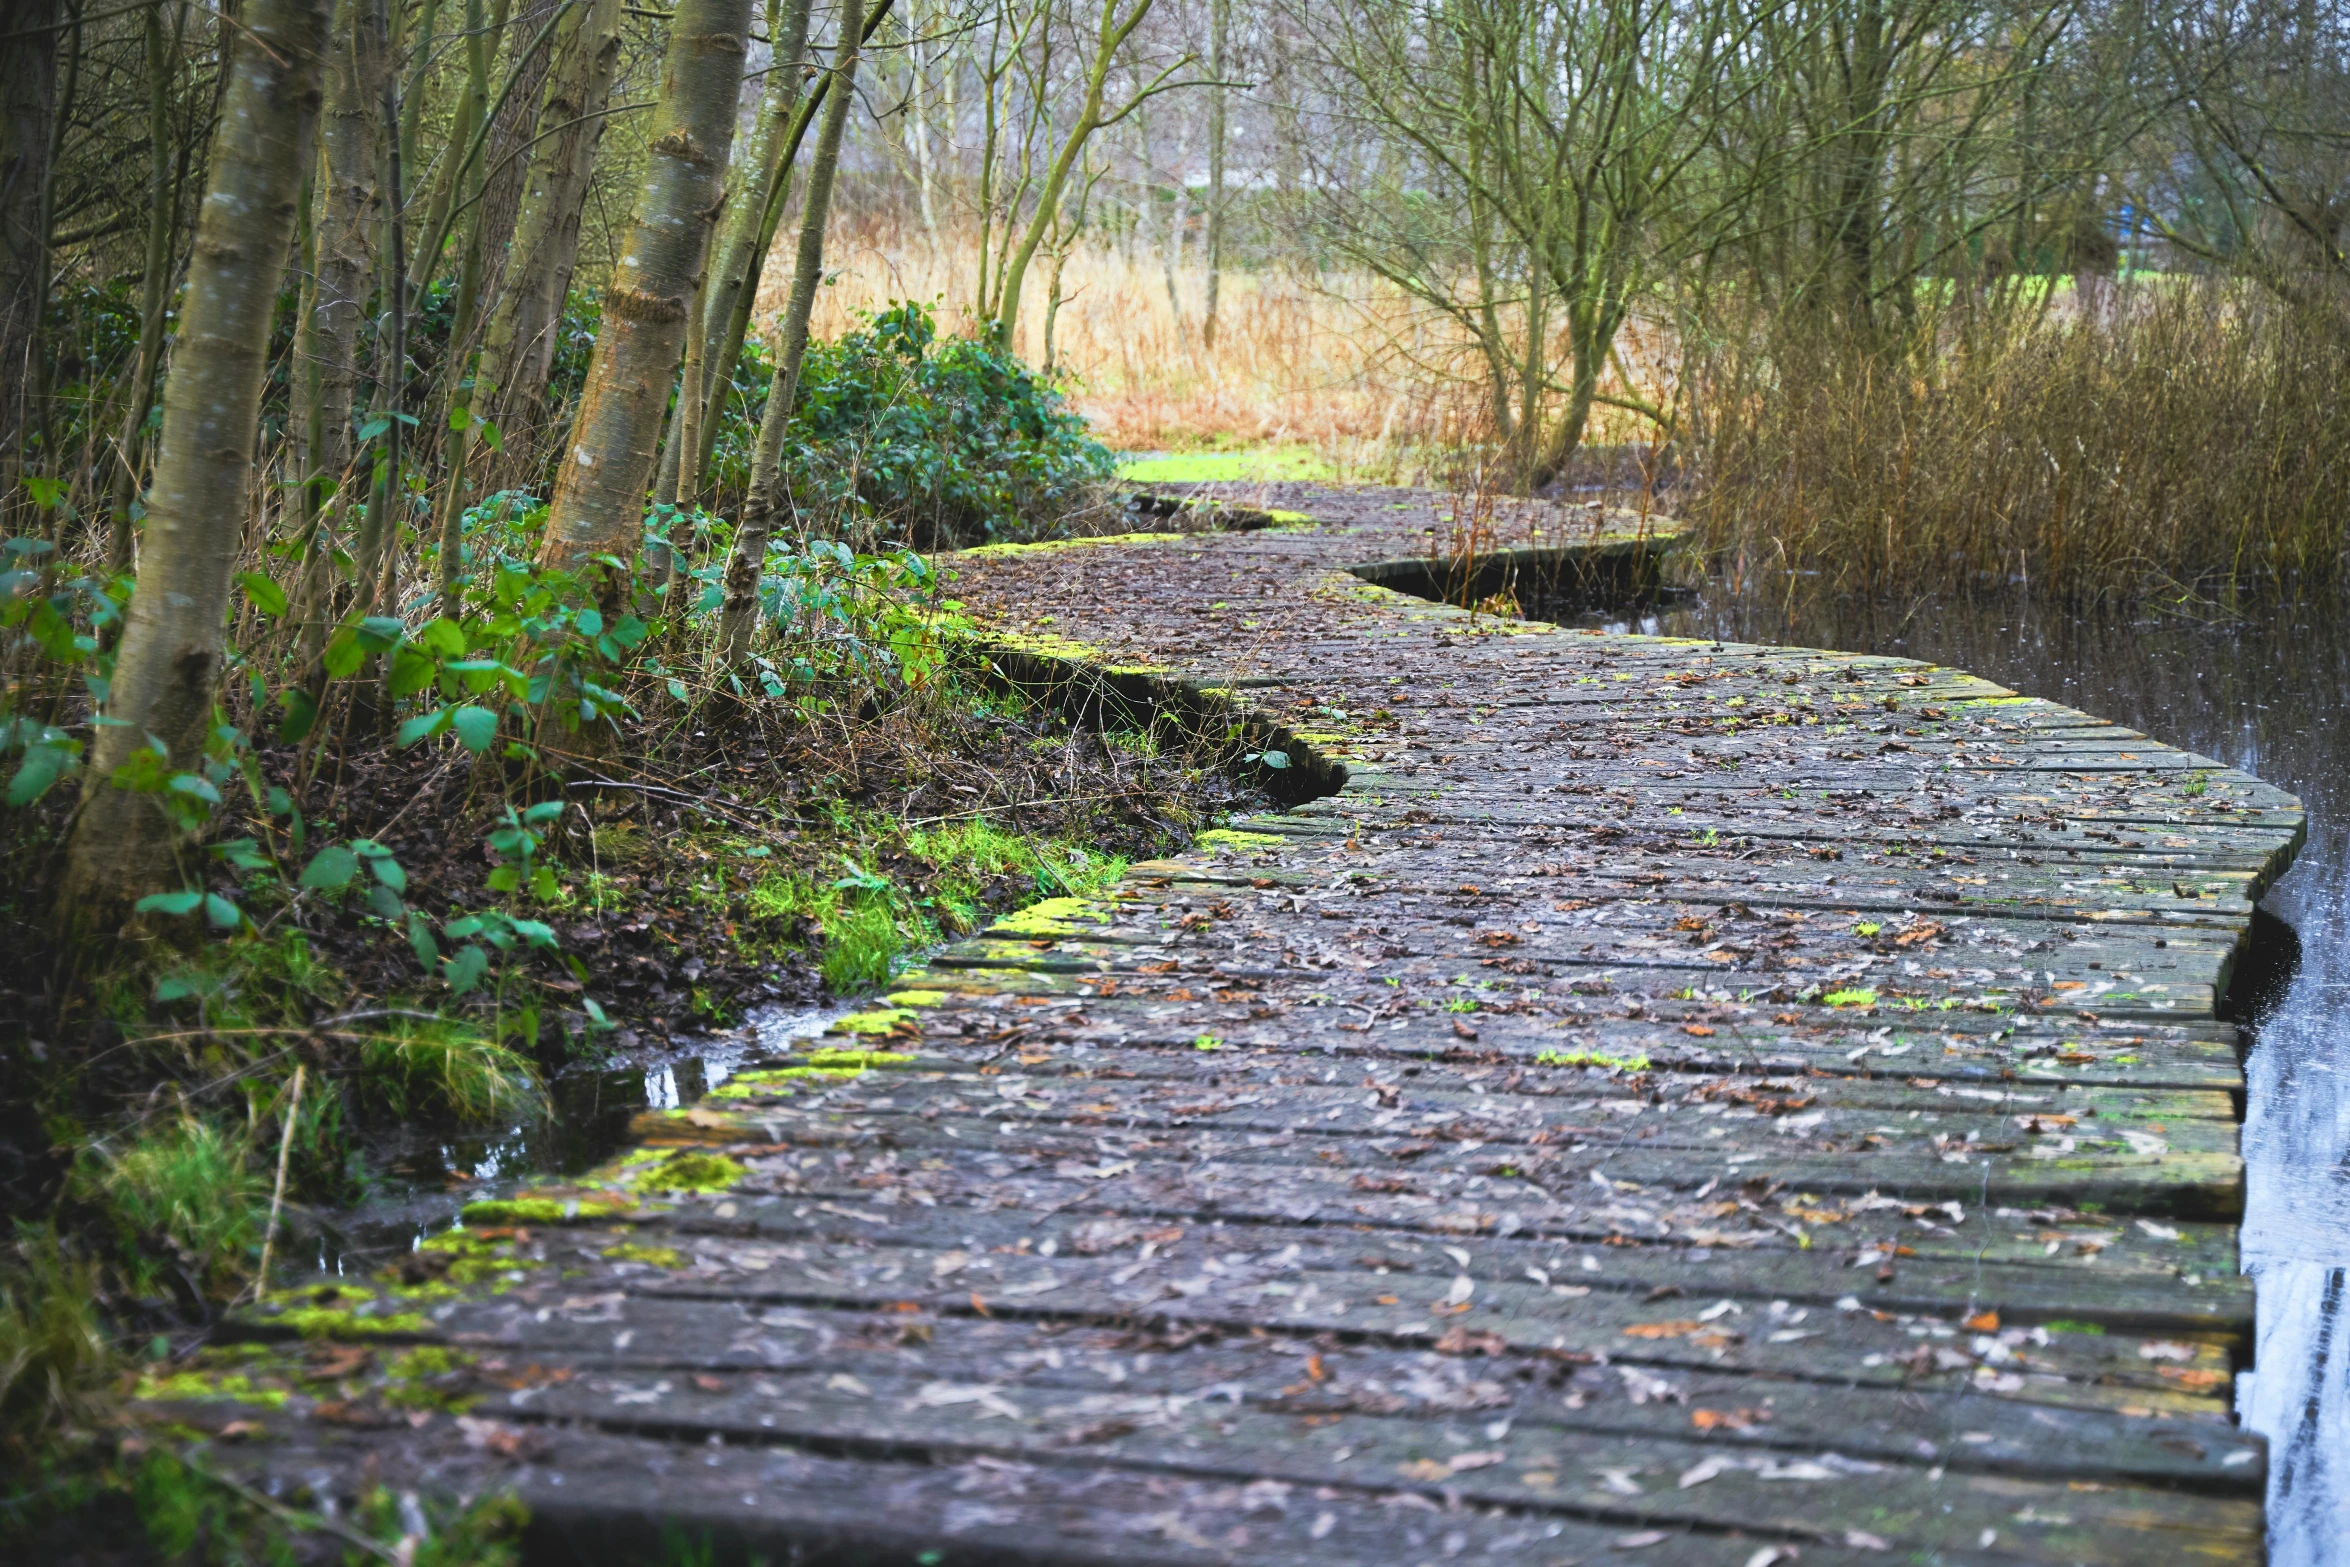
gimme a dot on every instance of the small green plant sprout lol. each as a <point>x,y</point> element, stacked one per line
<point>1207,1042</point>
<point>479,934</point>
<point>335,867</point>
<point>1867,929</point>
<point>1849,998</point>
<point>860,879</point>
<point>518,844</point>
<point>1461,1004</point>
<point>2197,783</point>
<point>1276,760</point>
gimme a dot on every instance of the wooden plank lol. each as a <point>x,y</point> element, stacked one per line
<point>1711,1096</point>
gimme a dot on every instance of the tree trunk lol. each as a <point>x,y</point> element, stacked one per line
<point>1109,38</point>
<point>377,527</point>
<point>599,502</point>
<point>154,292</point>
<point>350,205</point>
<point>168,668</point>
<point>740,611</point>
<point>28,106</point>
<point>507,157</point>
<point>1219,40</point>
<point>740,255</point>
<point>480,45</point>
<point>520,347</point>
<point>729,332</point>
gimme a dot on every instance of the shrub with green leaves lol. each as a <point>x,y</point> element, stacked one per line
<point>949,439</point>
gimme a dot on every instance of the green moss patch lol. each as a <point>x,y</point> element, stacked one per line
<point>532,1208</point>
<point>1247,464</point>
<point>1240,842</point>
<point>682,1170</point>
<point>1051,917</point>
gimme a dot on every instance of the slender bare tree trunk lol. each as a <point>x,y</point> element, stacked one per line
<point>599,502</point>
<point>1219,54</point>
<point>350,205</point>
<point>519,349</point>
<point>378,528</point>
<point>168,668</point>
<point>348,134</point>
<point>28,106</point>
<point>506,158</point>
<point>480,45</point>
<point>738,257</point>
<point>729,331</point>
<point>1109,38</point>
<point>739,613</point>
<point>154,291</point>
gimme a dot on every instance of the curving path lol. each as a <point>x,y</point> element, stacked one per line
<point>1677,1102</point>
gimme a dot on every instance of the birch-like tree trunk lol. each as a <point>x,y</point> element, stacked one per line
<point>519,348</point>
<point>168,669</point>
<point>739,612</point>
<point>601,473</point>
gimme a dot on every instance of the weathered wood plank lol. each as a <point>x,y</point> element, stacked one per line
<point>1680,1098</point>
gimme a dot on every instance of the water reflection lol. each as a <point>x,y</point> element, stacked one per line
<point>421,1177</point>
<point>2267,696</point>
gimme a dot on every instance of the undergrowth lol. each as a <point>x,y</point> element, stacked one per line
<point>444,844</point>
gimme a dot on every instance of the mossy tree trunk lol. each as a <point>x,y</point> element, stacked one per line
<point>168,669</point>
<point>739,613</point>
<point>604,467</point>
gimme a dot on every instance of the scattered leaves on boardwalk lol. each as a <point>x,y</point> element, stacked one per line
<point>1693,1100</point>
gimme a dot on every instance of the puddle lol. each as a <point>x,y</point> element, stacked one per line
<point>422,1177</point>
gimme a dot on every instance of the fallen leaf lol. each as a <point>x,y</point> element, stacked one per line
<point>2191,1378</point>
<point>1982,1322</point>
<point>1699,1473</point>
<point>1680,1327</point>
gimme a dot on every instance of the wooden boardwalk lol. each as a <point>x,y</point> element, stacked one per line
<point>1676,1103</point>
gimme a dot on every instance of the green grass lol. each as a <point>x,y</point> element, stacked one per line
<point>862,944</point>
<point>1258,464</point>
<point>448,1068</point>
<point>54,1354</point>
<point>185,1188</point>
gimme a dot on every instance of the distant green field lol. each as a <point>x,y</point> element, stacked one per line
<point>1248,464</point>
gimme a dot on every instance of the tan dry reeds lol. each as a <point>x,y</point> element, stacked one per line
<point>2199,440</point>
<point>1377,385</point>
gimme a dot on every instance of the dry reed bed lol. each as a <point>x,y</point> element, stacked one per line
<point>1379,386</point>
<point>2199,434</point>
<point>2197,442</point>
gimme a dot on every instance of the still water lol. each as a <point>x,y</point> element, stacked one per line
<point>2264,694</point>
<point>421,1177</point>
